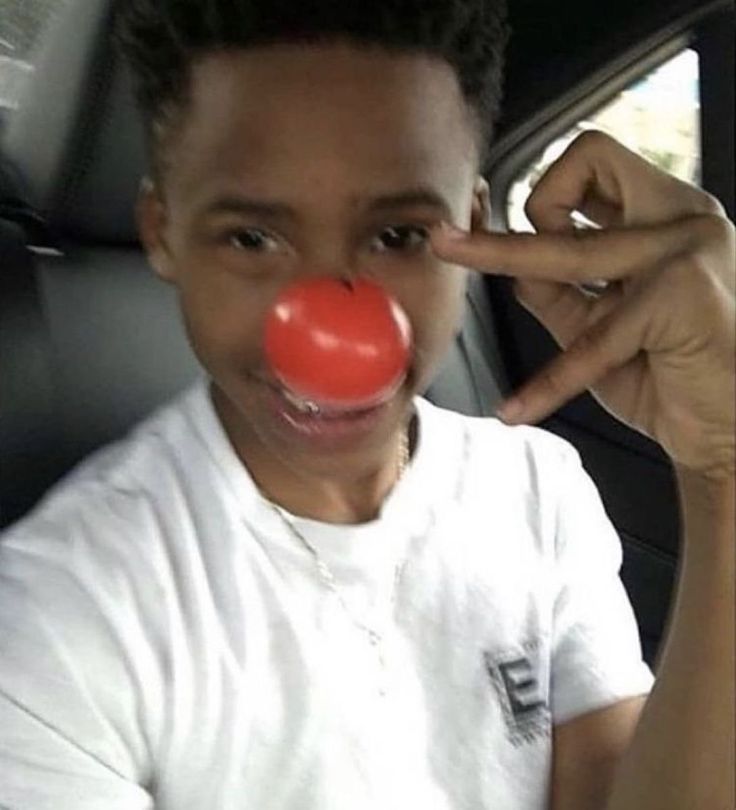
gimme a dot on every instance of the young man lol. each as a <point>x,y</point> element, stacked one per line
<point>229,610</point>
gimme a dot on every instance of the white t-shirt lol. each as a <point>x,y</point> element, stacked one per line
<point>166,642</point>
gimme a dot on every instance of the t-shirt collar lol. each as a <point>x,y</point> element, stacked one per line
<point>408,508</point>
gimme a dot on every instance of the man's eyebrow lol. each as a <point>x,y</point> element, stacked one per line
<point>411,198</point>
<point>251,206</point>
<point>236,204</point>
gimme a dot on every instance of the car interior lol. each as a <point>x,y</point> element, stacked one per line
<point>80,310</point>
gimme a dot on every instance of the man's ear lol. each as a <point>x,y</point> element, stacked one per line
<point>481,212</point>
<point>151,218</point>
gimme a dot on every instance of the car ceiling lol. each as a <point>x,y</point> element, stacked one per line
<point>556,44</point>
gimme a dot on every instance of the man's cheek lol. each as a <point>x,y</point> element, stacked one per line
<point>431,343</point>
<point>223,333</point>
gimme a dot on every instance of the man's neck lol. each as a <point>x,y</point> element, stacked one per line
<point>341,503</point>
<point>340,496</point>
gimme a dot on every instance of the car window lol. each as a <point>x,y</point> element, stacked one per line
<point>658,116</point>
<point>21,21</point>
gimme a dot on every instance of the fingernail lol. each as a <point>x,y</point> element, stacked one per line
<point>451,232</point>
<point>510,411</point>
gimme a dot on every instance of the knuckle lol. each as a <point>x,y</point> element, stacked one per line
<point>711,205</point>
<point>694,279</point>
<point>712,228</point>
<point>592,140</point>
<point>543,216</point>
<point>583,249</point>
<point>532,206</point>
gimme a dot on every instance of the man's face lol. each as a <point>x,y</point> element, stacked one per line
<point>284,168</point>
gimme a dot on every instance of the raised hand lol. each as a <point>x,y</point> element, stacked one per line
<point>656,346</point>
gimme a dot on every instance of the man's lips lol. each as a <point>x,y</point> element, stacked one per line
<point>321,431</point>
<point>324,409</point>
<point>320,409</point>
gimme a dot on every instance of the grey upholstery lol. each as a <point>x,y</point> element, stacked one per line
<point>78,330</point>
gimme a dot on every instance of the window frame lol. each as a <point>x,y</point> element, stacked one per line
<point>588,122</point>
<point>513,153</point>
<point>716,48</point>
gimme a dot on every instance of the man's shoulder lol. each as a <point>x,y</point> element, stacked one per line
<point>496,441</point>
<point>117,483</point>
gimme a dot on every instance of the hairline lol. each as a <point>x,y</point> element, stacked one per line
<point>172,112</point>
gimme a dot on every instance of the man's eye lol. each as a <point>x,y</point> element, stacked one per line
<point>402,237</point>
<point>250,239</point>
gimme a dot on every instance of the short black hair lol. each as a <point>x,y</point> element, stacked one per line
<point>161,38</point>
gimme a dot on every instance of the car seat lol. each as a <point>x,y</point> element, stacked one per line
<point>80,311</point>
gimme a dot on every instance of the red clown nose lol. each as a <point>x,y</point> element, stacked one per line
<point>339,344</point>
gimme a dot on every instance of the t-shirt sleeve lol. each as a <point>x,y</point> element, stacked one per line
<point>596,650</point>
<point>66,701</point>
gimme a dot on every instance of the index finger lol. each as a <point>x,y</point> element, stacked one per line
<point>581,256</point>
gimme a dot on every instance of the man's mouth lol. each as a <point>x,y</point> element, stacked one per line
<point>320,410</point>
<point>322,428</point>
<point>303,405</point>
<point>311,407</point>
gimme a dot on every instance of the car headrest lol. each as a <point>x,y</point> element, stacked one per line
<point>76,139</point>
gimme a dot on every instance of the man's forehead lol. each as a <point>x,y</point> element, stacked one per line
<point>269,138</point>
<point>339,65</point>
<point>334,160</point>
<point>365,202</point>
<point>402,109</point>
<point>370,173</point>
